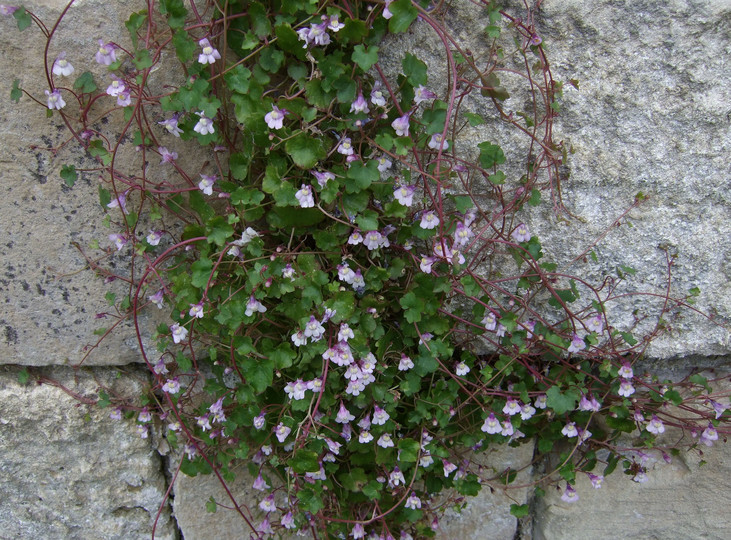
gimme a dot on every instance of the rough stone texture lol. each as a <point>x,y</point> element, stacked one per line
<point>488,514</point>
<point>191,495</point>
<point>651,116</point>
<point>67,470</point>
<point>51,301</point>
<point>680,500</point>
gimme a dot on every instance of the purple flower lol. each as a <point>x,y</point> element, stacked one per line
<point>413,502</point>
<point>166,155</point>
<point>7,10</point>
<point>55,100</point>
<point>377,97</point>
<point>577,344</point>
<point>373,240</point>
<point>429,220</point>
<point>287,521</point>
<point>282,431</point>
<point>586,404</point>
<point>345,147</point>
<point>260,484</point>
<point>709,435</point>
<point>512,407</point>
<point>385,441</point>
<point>179,333</point>
<point>313,329</point>
<point>259,421</point>
<point>196,310</point>
<point>405,195</point>
<point>527,411</point>
<point>254,306</point>
<point>461,369</point>
<point>719,408</point>
<point>160,368</point>
<point>625,371</point>
<point>268,504</point>
<point>596,480</point>
<point>358,531</point>
<point>171,386</point>
<point>171,125</point>
<point>333,23</point>
<point>116,87</point>
<point>462,234</point>
<point>106,54</point>
<point>61,66</point>
<point>206,184</point>
<point>569,495</point>
<point>157,299</point>
<point>387,12</point>
<point>318,34</point>
<point>304,196</point>
<point>426,263</point>
<point>355,238</point>
<point>625,388</point>
<point>380,416</point>
<point>116,414</point>
<point>655,425</point>
<point>405,363</point>
<point>401,125</point>
<point>360,105</point>
<point>421,93</point>
<point>275,118</point>
<point>154,238</point>
<point>124,99</point>
<point>119,240</point>
<point>491,425</point>
<point>521,233</point>
<point>208,54</point>
<point>535,39</point>
<point>323,177</point>
<point>384,164</point>
<point>596,324</point>
<point>204,125</point>
<point>119,202</point>
<point>489,321</point>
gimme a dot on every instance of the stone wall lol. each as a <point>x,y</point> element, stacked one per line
<point>651,114</point>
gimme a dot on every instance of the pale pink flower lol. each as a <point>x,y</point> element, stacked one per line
<point>179,333</point>
<point>521,233</point>
<point>55,100</point>
<point>196,310</point>
<point>116,87</point>
<point>401,125</point>
<point>405,195</point>
<point>305,197</point>
<point>577,344</point>
<point>346,147</point>
<point>106,54</point>
<point>61,66</point>
<point>491,425</point>
<point>655,425</point>
<point>360,105</point>
<point>569,495</point>
<point>595,324</point>
<point>429,220</point>
<point>204,125</point>
<point>206,184</point>
<point>275,118</point>
<point>422,93</point>
<point>208,53</point>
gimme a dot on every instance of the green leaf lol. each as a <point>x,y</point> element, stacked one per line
<point>413,307</point>
<point>23,376</point>
<point>362,176</point>
<point>259,20</point>
<point>490,155</point>
<point>492,88</point>
<point>103,401</point>
<point>22,18</point>
<point>305,150</point>
<point>69,175</point>
<point>474,119</point>
<point>498,178</point>
<point>201,272</point>
<point>409,449</point>
<point>673,396</point>
<point>309,500</point>
<point>184,45</point>
<point>404,13</point>
<point>365,57</point>
<point>104,196</point>
<point>176,12</point>
<point>259,373</point>
<point>562,402</point>
<point>85,83</point>
<point>185,363</point>
<point>219,230</point>
<point>211,505</point>
<point>355,480</point>
<point>414,69</point>
<point>535,198</point>
<point>304,461</point>
<point>271,59</point>
<point>142,59</point>
<point>519,510</point>
<point>238,79</point>
<point>463,203</point>
<point>15,92</point>
<point>134,23</point>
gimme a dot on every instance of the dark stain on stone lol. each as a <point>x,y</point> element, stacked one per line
<point>40,289</point>
<point>11,336</point>
<point>25,285</point>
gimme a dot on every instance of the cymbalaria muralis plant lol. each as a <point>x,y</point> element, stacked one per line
<point>356,310</point>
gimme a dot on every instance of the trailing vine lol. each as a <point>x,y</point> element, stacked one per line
<point>356,309</point>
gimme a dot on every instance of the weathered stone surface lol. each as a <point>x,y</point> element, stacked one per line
<point>67,470</point>
<point>196,523</point>
<point>50,299</point>
<point>651,116</point>
<point>679,500</point>
<point>488,514</point>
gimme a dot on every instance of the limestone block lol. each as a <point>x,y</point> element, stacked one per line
<point>650,116</point>
<point>51,301</point>
<point>683,499</point>
<point>488,514</point>
<point>67,470</point>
